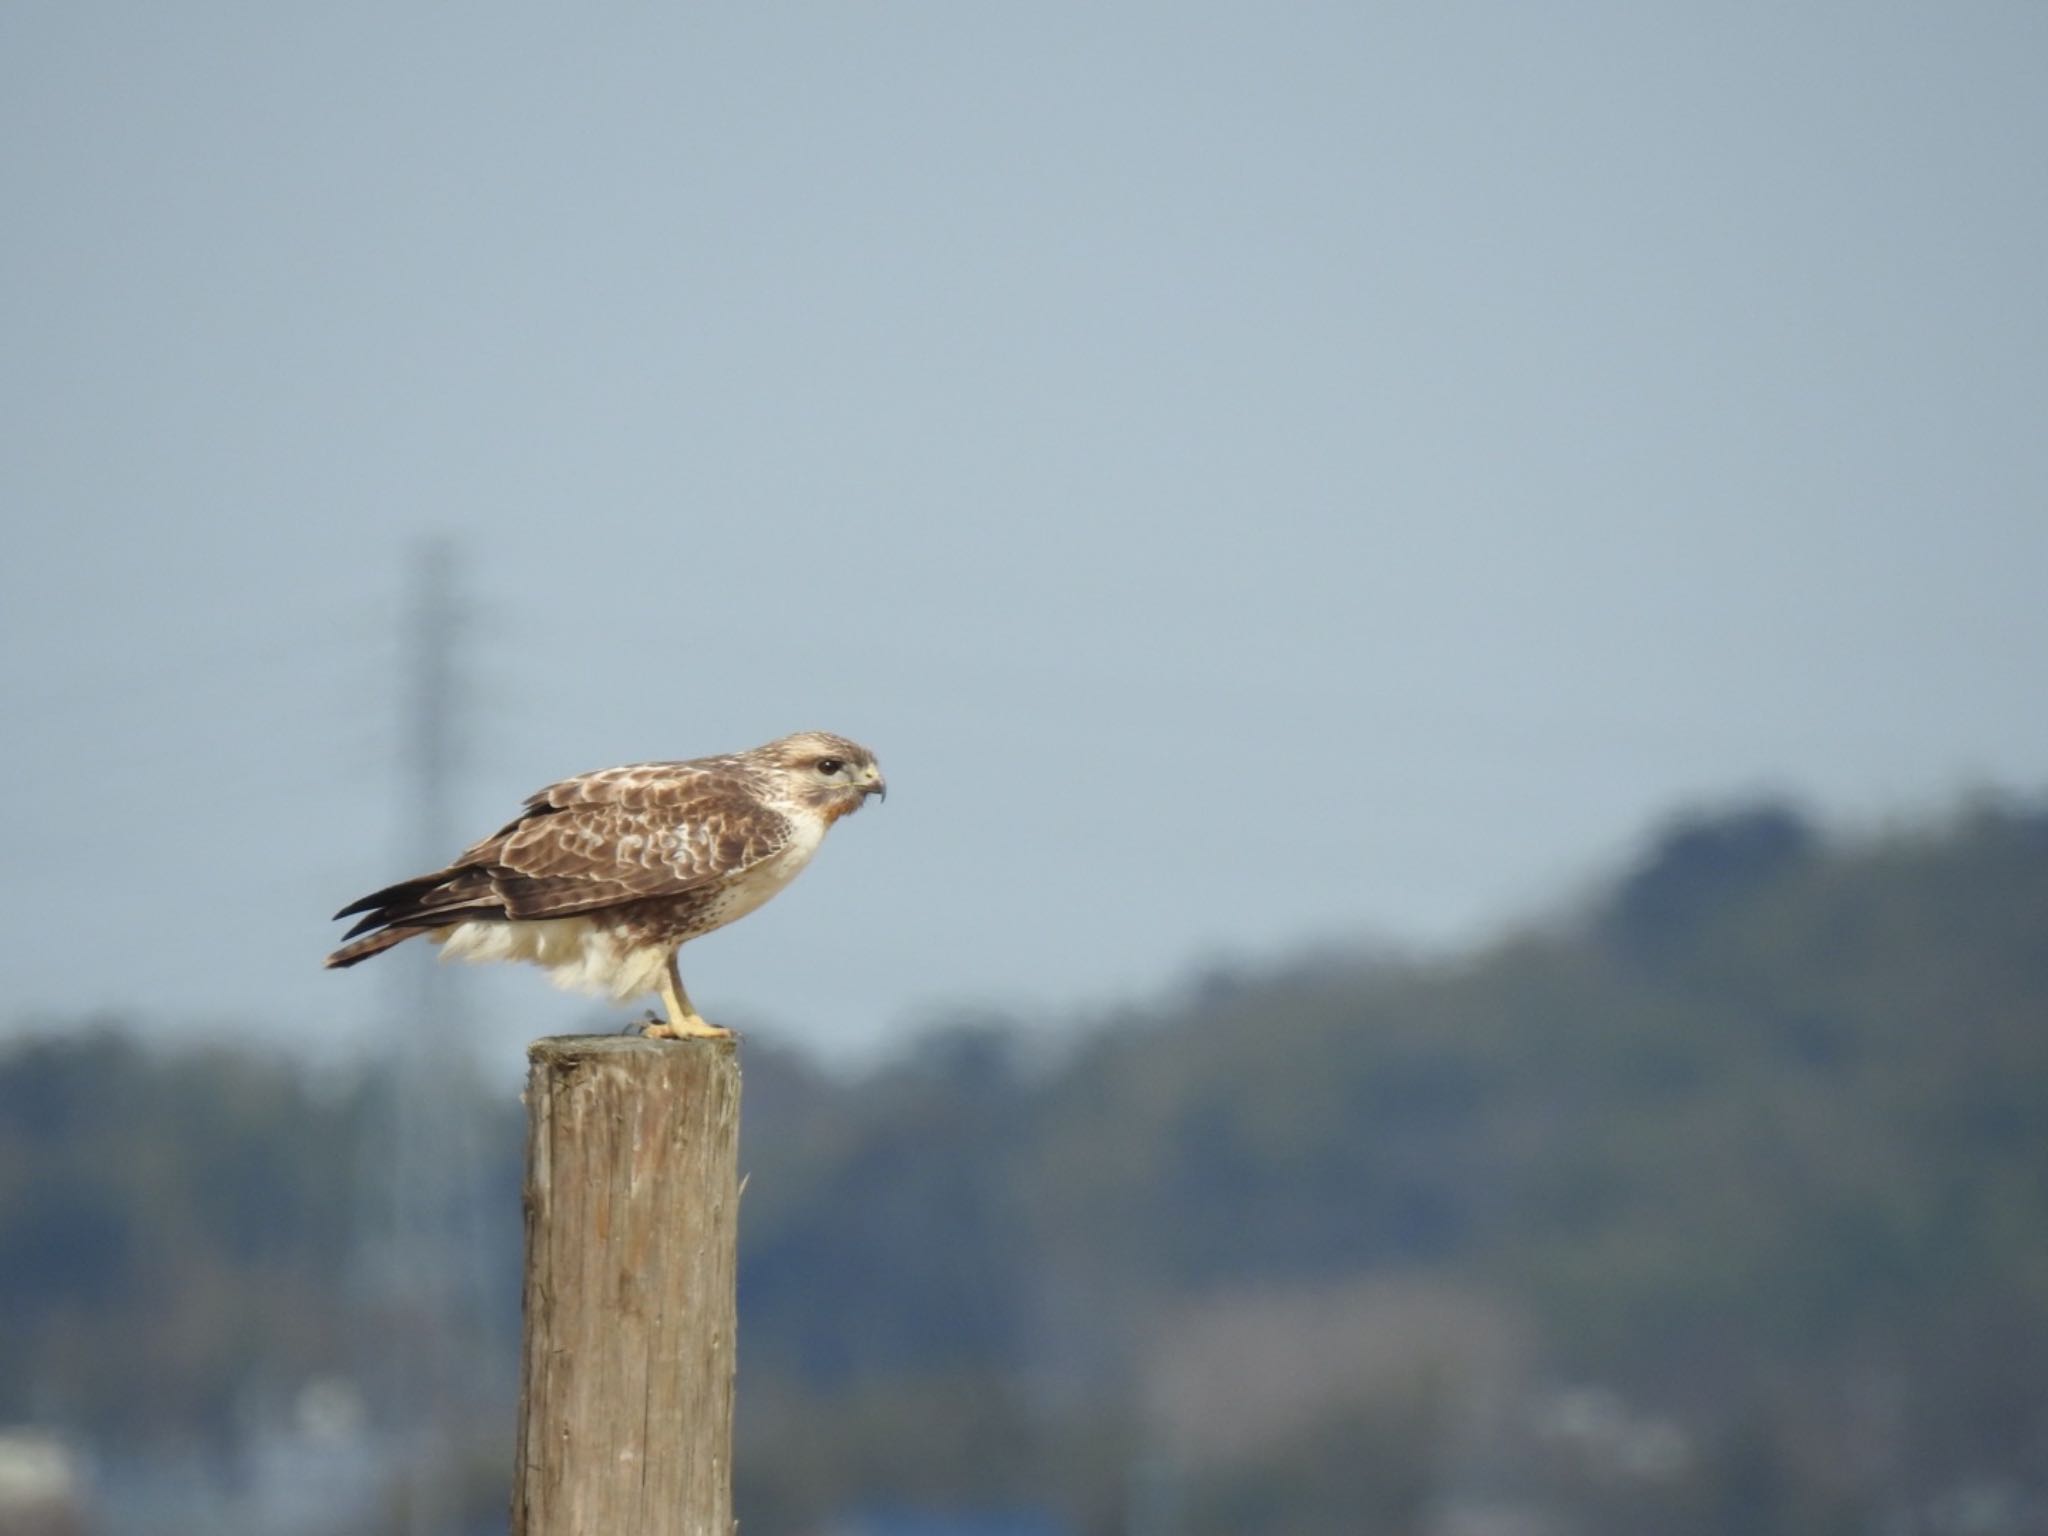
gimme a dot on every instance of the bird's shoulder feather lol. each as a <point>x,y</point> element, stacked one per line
<point>626,834</point>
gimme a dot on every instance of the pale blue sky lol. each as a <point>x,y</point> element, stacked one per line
<point>1256,475</point>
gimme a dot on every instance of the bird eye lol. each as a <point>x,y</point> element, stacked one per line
<point>829,766</point>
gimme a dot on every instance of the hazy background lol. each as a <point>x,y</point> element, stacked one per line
<point>1453,600</point>
<point>1257,476</point>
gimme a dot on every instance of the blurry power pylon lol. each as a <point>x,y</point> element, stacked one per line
<point>440,1367</point>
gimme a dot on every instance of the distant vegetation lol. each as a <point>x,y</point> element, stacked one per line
<point>1721,1207</point>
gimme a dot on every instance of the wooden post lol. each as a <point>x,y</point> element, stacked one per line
<point>632,1222</point>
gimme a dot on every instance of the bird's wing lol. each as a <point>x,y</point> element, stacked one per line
<point>596,841</point>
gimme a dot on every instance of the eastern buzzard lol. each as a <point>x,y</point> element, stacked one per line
<point>602,876</point>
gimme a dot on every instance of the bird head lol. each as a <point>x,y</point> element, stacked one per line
<point>825,773</point>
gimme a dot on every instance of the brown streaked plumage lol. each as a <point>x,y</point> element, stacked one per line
<point>602,876</point>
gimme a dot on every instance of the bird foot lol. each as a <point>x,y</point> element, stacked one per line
<point>689,1028</point>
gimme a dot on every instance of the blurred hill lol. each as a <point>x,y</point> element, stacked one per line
<point>1719,1205</point>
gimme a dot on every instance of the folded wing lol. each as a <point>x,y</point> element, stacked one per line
<point>584,845</point>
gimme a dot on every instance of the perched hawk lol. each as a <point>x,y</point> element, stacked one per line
<point>604,875</point>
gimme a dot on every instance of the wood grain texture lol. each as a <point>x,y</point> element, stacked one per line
<point>632,1221</point>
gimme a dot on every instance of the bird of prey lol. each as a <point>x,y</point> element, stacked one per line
<point>603,876</point>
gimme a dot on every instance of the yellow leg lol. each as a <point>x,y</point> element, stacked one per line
<point>683,1021</point>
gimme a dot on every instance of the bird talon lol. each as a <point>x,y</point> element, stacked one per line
<point>691,1028</point>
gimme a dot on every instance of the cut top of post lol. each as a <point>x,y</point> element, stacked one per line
<point>560,1050</point>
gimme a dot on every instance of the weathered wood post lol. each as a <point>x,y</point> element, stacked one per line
<point>632,1222</point>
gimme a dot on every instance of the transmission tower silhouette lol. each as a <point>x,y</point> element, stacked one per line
<point>440,1364</point>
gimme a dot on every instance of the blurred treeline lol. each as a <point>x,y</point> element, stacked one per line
<point>1718,1205</point>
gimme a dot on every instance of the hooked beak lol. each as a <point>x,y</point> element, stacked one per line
<point>875,785</point>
